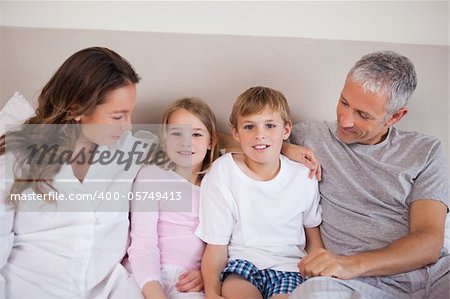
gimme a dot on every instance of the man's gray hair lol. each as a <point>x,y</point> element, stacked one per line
<point>389,73</point>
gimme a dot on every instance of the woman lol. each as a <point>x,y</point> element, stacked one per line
<point>68,247</point>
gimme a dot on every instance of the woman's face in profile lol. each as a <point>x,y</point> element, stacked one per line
<point>106,124</point>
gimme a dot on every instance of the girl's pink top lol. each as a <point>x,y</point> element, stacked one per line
<point>161,235</point>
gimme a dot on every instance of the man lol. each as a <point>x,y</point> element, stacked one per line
<point>384,192</point>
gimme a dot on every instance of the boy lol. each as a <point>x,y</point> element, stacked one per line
<point>253,206</point>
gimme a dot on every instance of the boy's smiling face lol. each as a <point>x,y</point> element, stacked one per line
<point>261,136</point>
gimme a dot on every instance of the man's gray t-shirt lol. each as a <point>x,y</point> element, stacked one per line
<point>366,190</point>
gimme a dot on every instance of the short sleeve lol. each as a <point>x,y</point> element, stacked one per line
<point>432,181</point>
<point>313,216</point>
<point>217,211</point>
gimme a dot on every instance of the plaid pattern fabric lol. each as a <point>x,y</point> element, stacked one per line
<point>430,282</point>
<point>269,282</point>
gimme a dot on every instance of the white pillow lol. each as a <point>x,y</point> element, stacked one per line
<point>15,112</point>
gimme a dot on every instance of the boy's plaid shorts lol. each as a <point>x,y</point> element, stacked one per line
<point>269,282</point>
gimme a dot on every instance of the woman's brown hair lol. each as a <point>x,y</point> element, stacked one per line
<point>76,88</point>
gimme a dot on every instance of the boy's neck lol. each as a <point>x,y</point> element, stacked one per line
<point>258,171</point>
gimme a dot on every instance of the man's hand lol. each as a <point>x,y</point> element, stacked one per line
<point>305,156</point>
<point>322,262</point>
<point>190,281</point>
<point>420,247</point>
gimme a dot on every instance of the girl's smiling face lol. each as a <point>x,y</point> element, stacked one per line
<point>188,140</point>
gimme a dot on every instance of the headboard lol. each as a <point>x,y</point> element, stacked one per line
<point>217,68</point>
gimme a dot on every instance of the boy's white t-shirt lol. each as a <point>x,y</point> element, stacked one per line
<point>260,221</point>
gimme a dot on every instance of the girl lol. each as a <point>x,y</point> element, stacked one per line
<point>165,254</point>
<point>56,251</point>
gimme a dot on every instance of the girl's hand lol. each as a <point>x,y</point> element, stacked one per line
<point>190,281</point>
<point>153,290</point>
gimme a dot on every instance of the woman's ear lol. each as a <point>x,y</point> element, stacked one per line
<point>73,111</point>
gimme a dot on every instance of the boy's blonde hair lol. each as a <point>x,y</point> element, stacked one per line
<point>203,112</point>
<point>255,100</point>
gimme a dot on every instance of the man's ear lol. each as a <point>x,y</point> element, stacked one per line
<point>397,116</point>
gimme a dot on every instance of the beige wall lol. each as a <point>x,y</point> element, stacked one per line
<point>411,22</point>
<point>218,67</point>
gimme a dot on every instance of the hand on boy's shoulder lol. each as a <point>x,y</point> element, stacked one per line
<point>304,156</point>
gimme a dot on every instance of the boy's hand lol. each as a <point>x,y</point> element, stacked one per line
<point>190,281</point>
